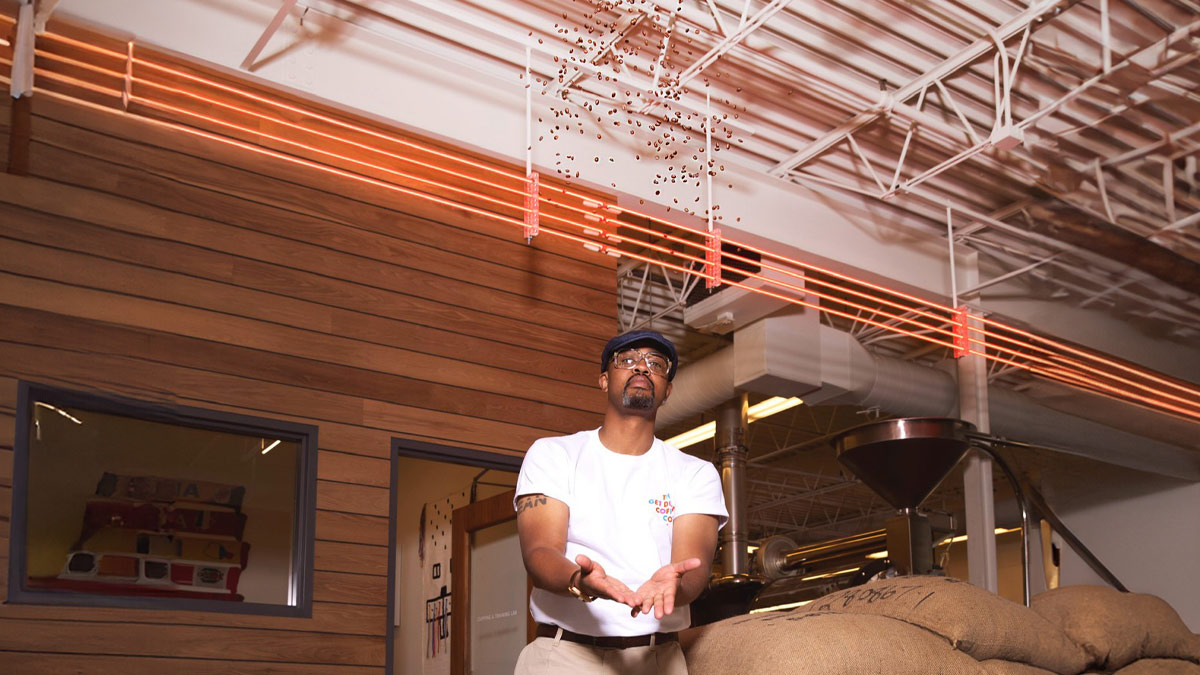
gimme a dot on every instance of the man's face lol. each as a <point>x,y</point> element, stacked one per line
<point>633,384</point>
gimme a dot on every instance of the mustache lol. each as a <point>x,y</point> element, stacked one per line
<point>649,384</point>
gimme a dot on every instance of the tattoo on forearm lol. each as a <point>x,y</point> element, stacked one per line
<point>530,502</point>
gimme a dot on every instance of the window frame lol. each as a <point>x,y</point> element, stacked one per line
<point>303,524</point>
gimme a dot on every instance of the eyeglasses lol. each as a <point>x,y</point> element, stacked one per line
<point>655,362</point>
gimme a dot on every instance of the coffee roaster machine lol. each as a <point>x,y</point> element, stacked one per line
<point>903,460</point>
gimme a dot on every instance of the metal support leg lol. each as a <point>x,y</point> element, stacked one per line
<point>731,460</point>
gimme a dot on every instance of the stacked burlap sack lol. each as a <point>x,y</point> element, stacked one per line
<point>1126,633</point>
<point>942,626</point>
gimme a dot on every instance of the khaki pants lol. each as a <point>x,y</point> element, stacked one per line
<point>553,656</point>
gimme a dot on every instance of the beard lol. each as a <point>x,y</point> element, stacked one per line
<point>638,400</point>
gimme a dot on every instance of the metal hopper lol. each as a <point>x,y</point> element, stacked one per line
<point>903,460</point>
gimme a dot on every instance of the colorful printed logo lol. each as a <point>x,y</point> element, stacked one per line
<point>664,507</point>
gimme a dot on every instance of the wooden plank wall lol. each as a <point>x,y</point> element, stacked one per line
<point>142,261</point>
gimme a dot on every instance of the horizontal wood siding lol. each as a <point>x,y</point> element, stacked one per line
<point>140,260</point>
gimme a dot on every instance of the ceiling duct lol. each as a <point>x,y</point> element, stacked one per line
<point>793,355</point>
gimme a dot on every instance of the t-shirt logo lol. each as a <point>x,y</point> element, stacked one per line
<point>664,507</point>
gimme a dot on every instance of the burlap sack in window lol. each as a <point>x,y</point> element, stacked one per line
<point>1117,628</point>
<point>1160,667</point>
<point>788,643</point>
<point>974,620</point>
<point>1002,667</point>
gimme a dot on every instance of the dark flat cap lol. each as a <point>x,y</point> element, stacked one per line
<point>639,338</point>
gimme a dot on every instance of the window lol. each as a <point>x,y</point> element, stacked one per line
<point>123,503</point>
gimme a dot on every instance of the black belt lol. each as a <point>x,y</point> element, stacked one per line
<point>614,642</point>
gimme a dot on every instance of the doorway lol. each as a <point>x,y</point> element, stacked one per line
<point>429,482</point>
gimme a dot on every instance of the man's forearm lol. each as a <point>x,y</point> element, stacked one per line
<point>692,584</point>
<point>549,570</point>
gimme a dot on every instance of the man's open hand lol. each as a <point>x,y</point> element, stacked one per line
<point>593,581</point>
<point>658,593</point>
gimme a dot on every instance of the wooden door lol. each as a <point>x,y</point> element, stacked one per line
<point>481,532</point>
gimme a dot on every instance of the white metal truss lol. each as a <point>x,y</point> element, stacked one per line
<point>974,104</point>
<point>1007,134</point>
<point>993,107</point>
<point>653,296</point>
<point>890,105</point>
<point>744,29</point>
<point>889,101</point>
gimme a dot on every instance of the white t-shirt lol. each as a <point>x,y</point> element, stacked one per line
<point>622,508</point>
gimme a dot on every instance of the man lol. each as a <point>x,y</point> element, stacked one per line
<point>617,528</point>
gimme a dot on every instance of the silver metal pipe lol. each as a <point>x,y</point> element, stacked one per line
<point>808,563</point>
<point>1056,523</point>
<point>1026,524</point>
<point>810,554</point>
<point>731,460</point>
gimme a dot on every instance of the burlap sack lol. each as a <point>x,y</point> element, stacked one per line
<point>1160,667</point>
<point>974,620</point>
<point>788,643</point>
<point>1117,628</point>
<point>1002,667</point>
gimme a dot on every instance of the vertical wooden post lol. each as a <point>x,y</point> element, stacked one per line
<point>18,136</point>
